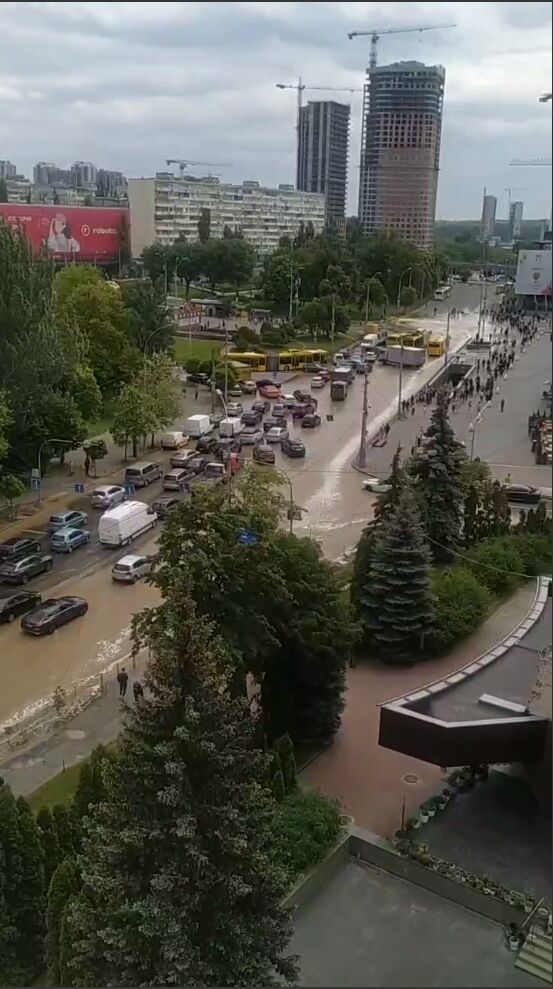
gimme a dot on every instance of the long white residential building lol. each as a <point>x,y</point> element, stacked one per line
<point>167,207</point>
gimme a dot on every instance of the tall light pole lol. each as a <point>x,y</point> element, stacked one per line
<point>473,428</point>
<point>362,455</point>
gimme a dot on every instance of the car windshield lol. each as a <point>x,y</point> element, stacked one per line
<point>57,518</point>
<point>132,473</point>
<point>122,567</point>
<point>99,491</point>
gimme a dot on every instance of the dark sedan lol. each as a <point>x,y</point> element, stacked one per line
<point>14,605</point>
<point>52,614</point>
<point>523,493</point>
<point>18,547</point>
<point>206,444</point>
<point>299,411</point>
<point>261,405</point>
<point>20,571</point>
<point>161,506</point>
<point>292,448</point>
<point>311,421</point>
<point>252,417</point>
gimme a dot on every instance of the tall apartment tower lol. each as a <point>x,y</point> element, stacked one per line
<point>515,220</point>
<point>323,142</point>
<point>487,223</point>
<point>400,149</point>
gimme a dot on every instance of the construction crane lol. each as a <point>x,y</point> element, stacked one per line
<point>512,189</point>
<point>183,163</point>
<point>375,35</point>
<point>545,98</point>
<point>300,87</point>
<point>530,161</point>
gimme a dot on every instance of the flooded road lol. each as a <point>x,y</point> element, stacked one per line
<point>324,484</point>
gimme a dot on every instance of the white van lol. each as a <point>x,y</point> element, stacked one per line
<point>121,525</point>
<point>173,440</point>
<point>198,425</point>
<point>230,426</point>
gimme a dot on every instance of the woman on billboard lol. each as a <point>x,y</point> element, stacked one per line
<point>60,240</point>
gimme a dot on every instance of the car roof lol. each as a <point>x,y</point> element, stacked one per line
<point>107,487</point>
<point>5,599</point>
<point>14,540</point>
<point>129,559</point>
<point>66,529</point>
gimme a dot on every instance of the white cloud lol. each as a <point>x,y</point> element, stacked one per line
<point>129,84</point>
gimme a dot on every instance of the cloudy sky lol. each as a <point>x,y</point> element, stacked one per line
<point>126,85</point>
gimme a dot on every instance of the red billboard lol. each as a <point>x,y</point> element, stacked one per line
<point>83,233</point>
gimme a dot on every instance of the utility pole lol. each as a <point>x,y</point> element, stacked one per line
<point>291,296</point>
<point>213,381</point>
<point>447,335</point>
<point>362,455</point>
<point>226,362</point>
<point>367,301</point>
<point>400,383</point>
<point>333,319</point>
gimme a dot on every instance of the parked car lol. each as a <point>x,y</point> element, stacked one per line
<point>143,474</point>
<point>279,409</point>
<point>107,496</point>
<point>251,435</point>
<point>292,447</point>
<point>21,571</point>
<point>67,539</point>
<point>198,377</point>
<point>523,493</point>
<point>234,409</point>
<point>18,547</point>
<point>269,391</point>
<point>289,401</point>
<point>261,405</point>
<point>162,506</point>
<point>17,604</point>
<point>181,459</point>
<point>314,368</point>
<point>269,422</point>
<point>318,381</point>
<point>206,444</point>
<point>249,387</point>
<point>75,520</point>
<point>173,440</point>
<point>52,614</point>
<point>131,568</point>
<point>264,382</point>
<point>303,396</point>
<point>235,391</point>
<point>311,420</point>
<point>276,434</point>
<point>175,479</point>
<point>375,485</point>
<point>252,417</point>
<point>228,445</point>
<point>302,410</point>
<point>197,464</point>
<point>263,453</point>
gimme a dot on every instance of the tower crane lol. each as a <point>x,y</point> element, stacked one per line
<point>510,189</point>
<point>545,98</point>
<point>531,161</point>
<point>375,35</point>
<point>183,163</point>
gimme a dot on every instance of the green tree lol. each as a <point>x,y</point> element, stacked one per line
<point>395,603</point>
<point>4,197</point>
<point>187,262</point>
<point>6,419</point>
<point>461,603</point>
<point>71,278</point>
<point>11,488</point>
<point>284,748</point>
<point>436,470</point>
<point>160,385</point>
<point>31,897</point>
<point>150,324</point>
<point>64,829</point>
<point>408,297</point>
<point>314,315</point>
<point>11,870</point>
<point>90,789</point>
<point>197,900</point>
<point>101,317</point>
<point>204,226</point>
<point>135,417</point>
<point>156,261</point>
<point>276,277</point>
<point>48,835</point>
<point>64,884</point>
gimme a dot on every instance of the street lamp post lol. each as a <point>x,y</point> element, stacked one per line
<point>447,338</point>
<point>473,428</point>
<point>219,393</point>
<point>362,455</point>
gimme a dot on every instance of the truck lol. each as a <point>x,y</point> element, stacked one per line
<point>120,525</point>
<point>406,356</point>
<point>230,426</point>
<point>197,425</point>
<point>345,373</point>
<point>338,390</point>
<point>213,474</point>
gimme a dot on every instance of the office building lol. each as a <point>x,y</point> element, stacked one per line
<point>7,170</point>
<point>167,207</point>
<point>489,208</point>
<point>515,220</point>
<point>83,173</point>
<point>323,154</point>
<point>400,150</point>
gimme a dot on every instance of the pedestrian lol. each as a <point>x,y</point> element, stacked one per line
<point>502,405</point>
<point>123,681</point>
<point>138,690</point>
<point>196,393</point>
<point>87,465</point>
<point>413,410</point>
<point>387,429</point>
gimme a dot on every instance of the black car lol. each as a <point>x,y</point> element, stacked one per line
<point>18,604</point>
<point>314,368</point>
<point>226,446</point>
<point>20,571</point>
<point>197,464</point>
<point>206,444</point>
<point>161,506</point>
<point>252,417</point>
<point>303,396</point>
<point>52,614</point>
<point>524,493</point>
<point>263,453</point>
<point>311,421</point>
<point>18,547</point>
<point>261,405</point>
<point>198,377</point>
<point>292,447</point>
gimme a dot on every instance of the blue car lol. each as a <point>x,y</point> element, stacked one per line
<point>67,539</point>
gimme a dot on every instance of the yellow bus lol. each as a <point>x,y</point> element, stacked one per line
<point>436,347</point>
<point>412,338</point>
<point>286,360</point>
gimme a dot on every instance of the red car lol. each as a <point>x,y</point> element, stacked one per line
<point>269,391</point>
<point>303,409</point>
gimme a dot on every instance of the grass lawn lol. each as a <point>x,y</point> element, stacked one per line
<point>58,790</point>
<point>199,349</point>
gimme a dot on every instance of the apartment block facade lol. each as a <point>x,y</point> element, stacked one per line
<point>323,154</point>
<point>489,210</point>
<point>400,150</point>
<point>167,207</point>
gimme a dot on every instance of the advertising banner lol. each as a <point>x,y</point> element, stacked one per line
<point>533,273</point>
<point>83,233</point>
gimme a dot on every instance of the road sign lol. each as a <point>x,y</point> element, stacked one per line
<point>36,483</point>
<point>129,490</point>
<point>246,537</point>
<point>35,472</point>
<point>79,489</point>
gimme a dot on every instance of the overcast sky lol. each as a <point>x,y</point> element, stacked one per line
<point>126,85</point>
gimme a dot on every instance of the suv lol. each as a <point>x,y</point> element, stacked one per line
<point>17,547</point>
<point>62,519</point>
<point>311,420</point>
<point>143,474</point>
<point>67,539</point>
<point>161,506</point>
<point>131,568</point>
<point>20,571</point>
<point>175,479</point>
<point>18,604</point>
<point>292,447</point>
<point>263,453</point>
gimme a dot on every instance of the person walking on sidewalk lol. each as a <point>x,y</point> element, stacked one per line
<point>123,681</point>
<point>502,405</point>
<point>87,465</point>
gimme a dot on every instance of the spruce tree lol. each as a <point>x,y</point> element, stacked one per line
<point>31,904</point>
<point>11,871</point>
<point>284,746</point>
<point>64,823</point>
<point>396,599</point>
<point>48,835</point>
<point>437,470</point>
<point>178,884</point>
<point>64,884</point>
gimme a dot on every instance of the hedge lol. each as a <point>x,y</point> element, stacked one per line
<point>304,828</point>
<point>461,602</point>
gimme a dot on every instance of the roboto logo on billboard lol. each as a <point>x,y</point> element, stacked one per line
<point>77,232</point>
